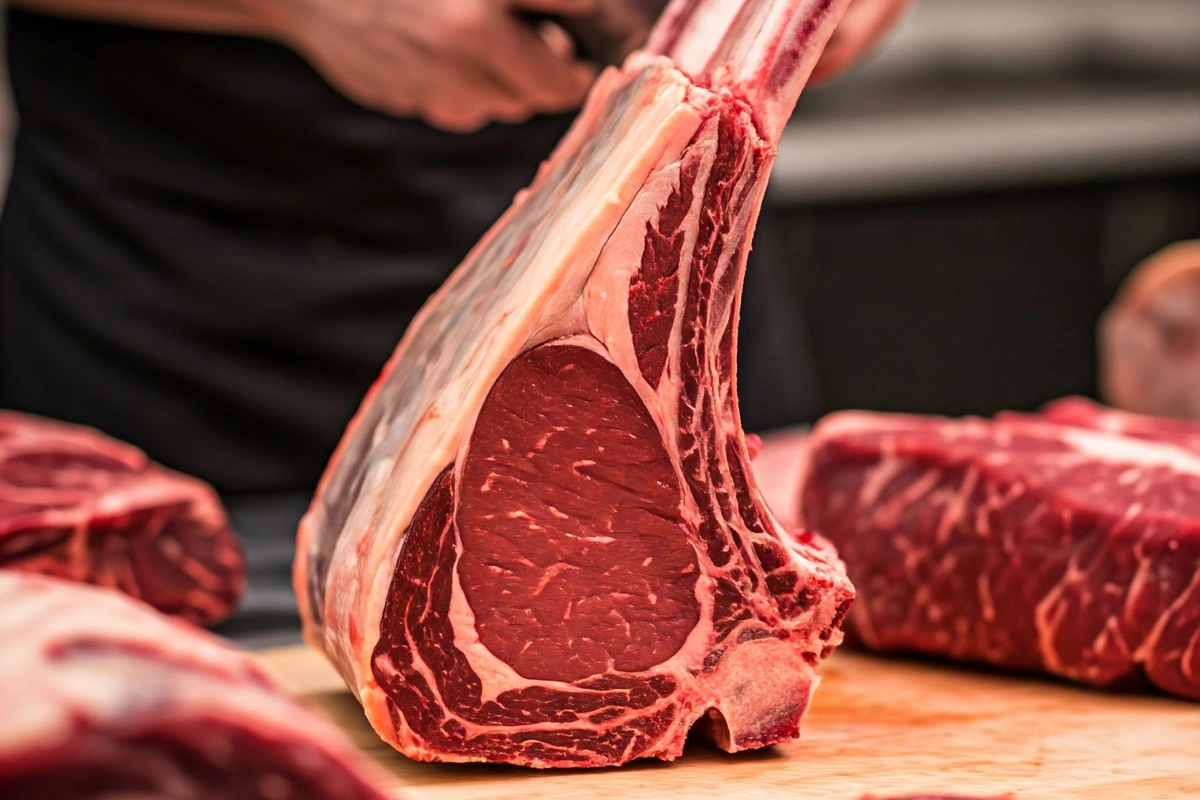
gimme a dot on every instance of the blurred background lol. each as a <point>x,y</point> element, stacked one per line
<point>959,210</point>
<point>955,214</point>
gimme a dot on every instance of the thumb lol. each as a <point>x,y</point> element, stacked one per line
<point>864,24</point>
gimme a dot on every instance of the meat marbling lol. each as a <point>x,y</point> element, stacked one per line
<point>1080,412</point>
<point>1019,542</point>
<point>540,541</point>
<point>104,698</point>
<point>78,505</point>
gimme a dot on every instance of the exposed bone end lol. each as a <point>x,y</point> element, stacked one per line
<point>762,52</point>
<point>765,689</point>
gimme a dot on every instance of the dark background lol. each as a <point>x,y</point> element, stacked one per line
<point>957,213</point>
<point>968,303</point>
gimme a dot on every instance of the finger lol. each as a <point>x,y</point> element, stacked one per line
<point>468,120</point>
<point>466,98</point>
<point>865,22</point>
<point>453,123</point>
<point>587,76</point>
<point>364,87</point>
<point>557,40</point>
<point>515,114</point>
<point>521,59</point>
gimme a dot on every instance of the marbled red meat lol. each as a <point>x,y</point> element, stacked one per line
<point>540,541</point>
<point>104,698</point>
<point>1018,542</point>
<point>1082,413</point>
<point>78,505</point>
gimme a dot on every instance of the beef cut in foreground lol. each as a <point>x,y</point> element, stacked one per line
<point>78,505</point>
<point>540,541</point>
<point>1019,542</point>
<point>104,698</point>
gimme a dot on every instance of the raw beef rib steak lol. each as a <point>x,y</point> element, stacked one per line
<point>540,541</point>
<point>104,698</point>
<point>1018,542</point>
<point>78,505</point>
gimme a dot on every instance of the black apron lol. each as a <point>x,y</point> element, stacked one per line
<point>208,252</point>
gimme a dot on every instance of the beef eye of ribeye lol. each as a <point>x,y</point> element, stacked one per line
<point>540,540</point>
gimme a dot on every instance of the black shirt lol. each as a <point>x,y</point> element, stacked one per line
<point>209,252</point>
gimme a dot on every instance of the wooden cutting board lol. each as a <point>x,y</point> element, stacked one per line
<point>878,726</point>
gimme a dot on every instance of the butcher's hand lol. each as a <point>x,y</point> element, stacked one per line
<point>457,64</point>
<point>863,25</point>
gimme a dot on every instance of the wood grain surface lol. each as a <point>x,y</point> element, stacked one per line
<point>877,726</point>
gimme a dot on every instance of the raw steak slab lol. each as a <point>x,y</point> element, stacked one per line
<point>1016,542</point>
<point>78,505</point>
<point>540,541</point>
<point>1082,413</point>
<point>104,698</point>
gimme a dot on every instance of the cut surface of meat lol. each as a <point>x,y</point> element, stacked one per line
<point>540,541</point>
<point>78,505</point>
<point>104,698</point>
<point>1016,542</point>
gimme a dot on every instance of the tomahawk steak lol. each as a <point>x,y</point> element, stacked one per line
<point>1018,542</point>
<point>540,541</point>
<point>104,698</point>
<point>78,505</point>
